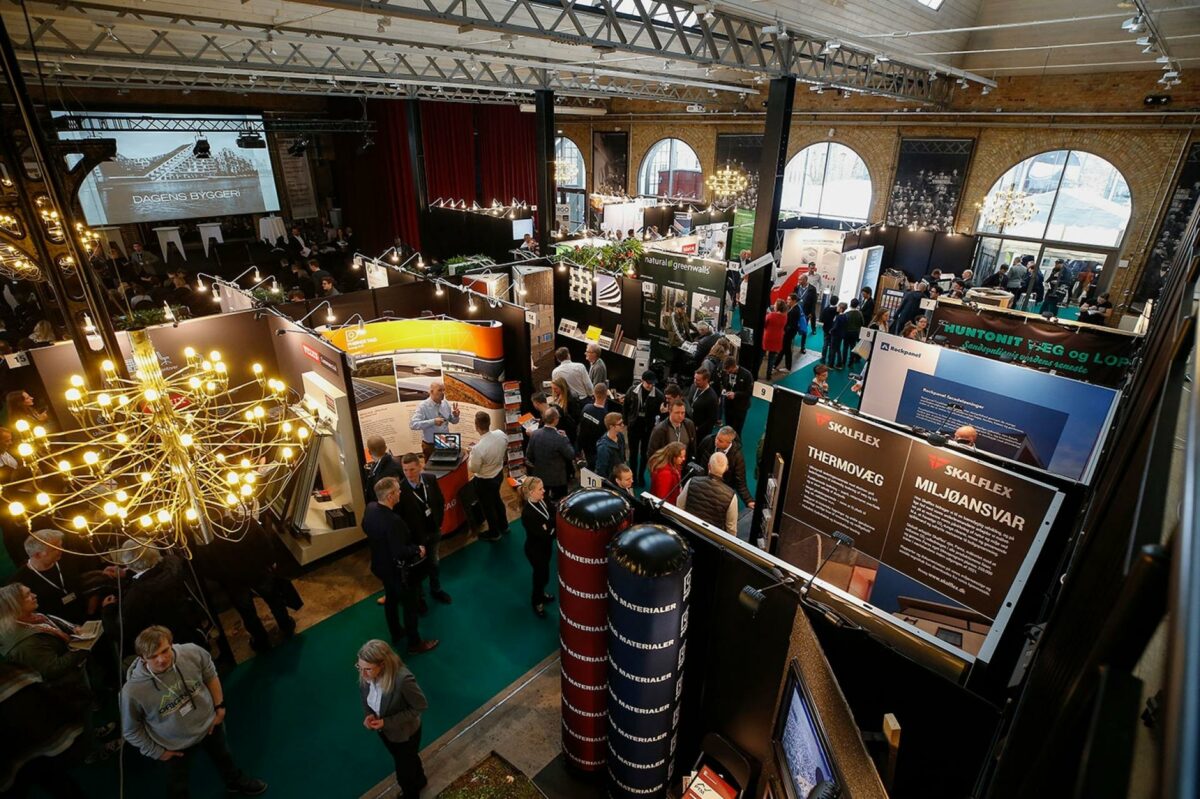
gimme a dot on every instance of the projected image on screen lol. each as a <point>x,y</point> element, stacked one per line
<point>807,761</point>
<point>164,175</point>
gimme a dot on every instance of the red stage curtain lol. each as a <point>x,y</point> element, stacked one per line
<point>449,138</point>
<point>508,142</point>
<point>376,187</point>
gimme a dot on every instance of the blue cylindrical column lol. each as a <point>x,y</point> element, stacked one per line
<point>649,579</point>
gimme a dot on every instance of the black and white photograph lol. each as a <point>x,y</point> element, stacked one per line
<point>930,175</point>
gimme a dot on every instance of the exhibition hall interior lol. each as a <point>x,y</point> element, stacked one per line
<point>565,399</point>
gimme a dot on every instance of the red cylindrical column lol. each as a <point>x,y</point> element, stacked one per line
<point>587,521</point>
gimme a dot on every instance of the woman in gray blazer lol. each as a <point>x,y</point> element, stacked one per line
<point>392,706</point>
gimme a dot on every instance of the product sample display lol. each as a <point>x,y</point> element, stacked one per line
<point>650,579</point>
<point>587,521</point>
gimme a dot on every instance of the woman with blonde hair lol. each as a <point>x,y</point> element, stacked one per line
<point>569,408</point>
<point>537,517</point>
<point>392,706</point>
<point>666,471</point>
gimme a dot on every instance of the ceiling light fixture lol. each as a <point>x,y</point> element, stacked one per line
<point>1135,24</point>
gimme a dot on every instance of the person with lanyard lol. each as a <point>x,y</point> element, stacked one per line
<point>598,371</point>
<point>537,517</point>
<point>392,704</point>
<point>726,442</point>
<point>486,466</point>
<point>641,406</point>
<point>395,556</point>
<point>433,416</point>
<point>591,422</point>
<point>64,591</point>
<point>173,704</point>
<point>423,507</point>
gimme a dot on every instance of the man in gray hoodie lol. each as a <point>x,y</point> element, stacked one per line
<point>172,704</point>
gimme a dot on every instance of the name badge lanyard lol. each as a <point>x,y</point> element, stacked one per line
<point>424,497</point>
<point>61,585</point>
<point>541,508</point>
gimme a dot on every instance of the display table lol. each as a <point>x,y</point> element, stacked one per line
<point>271,229</point>
<point>995,297</point>
<point>210,230</point>
<point>451,482</point>
<point>169,235</point>
<point>111,234</point>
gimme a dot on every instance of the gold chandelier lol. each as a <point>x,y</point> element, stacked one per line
<point>1007,208</point>
<point>727,182</point>
<point>565,171</point>
<point>159,459</point>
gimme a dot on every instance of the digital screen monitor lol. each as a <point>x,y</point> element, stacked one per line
<point>800,743</point>
<point>447,441</point>
<point>521,227</point>
<point>166,175</point>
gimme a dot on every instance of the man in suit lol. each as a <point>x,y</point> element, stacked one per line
<point>726,441</point>
<point>550,456</point>
<point>866,304</point>
<point>910,307</point>
<point>676,427</point>
<point>382,465</point>
<point>737,385</point>
<point>422,507</point>
<point>394,555</point>
<point>143,262</point>
<point>642,405</point>
<point>706,405</point>
<point>806,296</point>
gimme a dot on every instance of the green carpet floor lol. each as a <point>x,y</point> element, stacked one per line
<point>294,714</point>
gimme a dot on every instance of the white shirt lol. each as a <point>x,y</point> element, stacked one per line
<point>374,696</point>
<point>576,375</point>
<point>487,456</point>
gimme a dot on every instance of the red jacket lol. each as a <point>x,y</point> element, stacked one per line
<point>773,331</point>
<point>664,483</point>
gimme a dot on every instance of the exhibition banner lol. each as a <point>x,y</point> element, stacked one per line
<point>802,246</point>
<point>434,335</point>
<point>930,174</point>
<point>932,526</point>
<point>668,278</point>
<point>871,269</point>
<point>1183,200</point>
<point>1094,355</point>
<point>610,162</point>
<point>1044,420</point>
<point>741,152</point>
<point>742,239</point>
<point>850,278</point>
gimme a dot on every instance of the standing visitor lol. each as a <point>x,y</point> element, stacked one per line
<point>423,508</point>
<point>808,296</point>
<point>575,374</point>
<point>676,427</point>
<point>666,472</point>
<point>866,303</point>
<point>610,449</point>
<point>850,331</point>
<point>172,704</point>
<point>433,416</point>
<point>598,371</point>
<point>591,422</point>
<point>710,499</point>
<point>829,337</point>
<point>395,559</point>
<point>642,403</point>
<point>550,456</point>
<point>738,385</point>
<point>382,464</point>
<point>486,466</point>
<point>796,323</point>
<point>773,336</point>
<point>537,517</point>
<point>706,405</point>
<point>392,706</point>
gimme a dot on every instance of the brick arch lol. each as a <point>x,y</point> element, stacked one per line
<point>876,151</point>
<point>997,155</point>
<point>642,138</point>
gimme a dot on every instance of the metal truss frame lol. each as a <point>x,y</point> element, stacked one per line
<point>81,43</point>
<point>209,53</point>
<point>99,123</point>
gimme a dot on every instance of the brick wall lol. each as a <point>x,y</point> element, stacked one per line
<point>1147,156</point>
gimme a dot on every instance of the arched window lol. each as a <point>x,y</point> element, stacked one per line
<point>671,169</point>
<point>1064,204</point>
<point>828,181</point>
<point>571,179</point>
